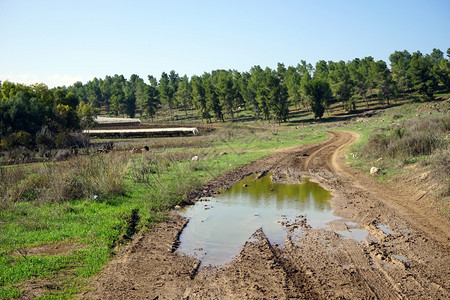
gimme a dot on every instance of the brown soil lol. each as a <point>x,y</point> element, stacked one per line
<point>409,263</point>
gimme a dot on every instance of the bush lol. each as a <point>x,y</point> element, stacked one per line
<point>376,145</point>
<point>413,144</point>
<point>18,139</point>
<point>63,140</point>
<point>412,138</point>
<point>44,140</point>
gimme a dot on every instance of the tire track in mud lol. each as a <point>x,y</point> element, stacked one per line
<point>315,264</point>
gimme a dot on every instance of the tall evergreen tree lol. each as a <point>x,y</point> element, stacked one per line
<point>164,92</point>
<point>152,103</point>
<point>383,81</point>
<point>422,77</point>
<point>400,61</point>
<point>226,92</point>
<point>341,84</point>
<point>183,94</point>
<point>212,100</point>
<point>319,94</point>
<point>199,98</point>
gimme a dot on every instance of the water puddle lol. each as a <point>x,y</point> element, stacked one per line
<point>218,228</point>
<point>385,229</point>
<point>401,258</point>
<point>358,235</point>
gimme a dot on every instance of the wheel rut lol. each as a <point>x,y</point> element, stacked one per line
<point>316,264</point>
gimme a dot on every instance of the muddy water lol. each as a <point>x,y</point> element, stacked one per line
<point>220,226</point>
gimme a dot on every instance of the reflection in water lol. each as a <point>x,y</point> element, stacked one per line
<point>218,228</point>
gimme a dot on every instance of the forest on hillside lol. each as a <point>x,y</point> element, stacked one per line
<point>35,116</point>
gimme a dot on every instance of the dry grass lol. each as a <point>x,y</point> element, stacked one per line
<point>410,139</point>
<point>440,173</point>
<point>83,176</point>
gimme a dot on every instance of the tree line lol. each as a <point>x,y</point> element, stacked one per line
<point>220,95</point>
<point>34,116</point>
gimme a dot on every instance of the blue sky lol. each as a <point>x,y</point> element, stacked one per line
<point>60,42</point>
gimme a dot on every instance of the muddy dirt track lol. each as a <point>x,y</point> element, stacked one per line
<point>404,256</point>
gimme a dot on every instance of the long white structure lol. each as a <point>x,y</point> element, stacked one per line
<point>192,130</point>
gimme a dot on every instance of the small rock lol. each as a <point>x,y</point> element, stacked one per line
<point>223,153</point>
<point>374,170</point>
<point>177,207</point>
<point>195,158</point>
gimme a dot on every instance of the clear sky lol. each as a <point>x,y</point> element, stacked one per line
<point>60,42</point>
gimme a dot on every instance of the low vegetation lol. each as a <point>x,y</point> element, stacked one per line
<point>412,141</point>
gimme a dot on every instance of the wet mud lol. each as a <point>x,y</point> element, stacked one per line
<point>383,244</point>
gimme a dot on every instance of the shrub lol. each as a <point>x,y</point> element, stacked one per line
<point>44,140</point>
<point>376,145</point>
<point>413,144</point>
<point>18,139</point>
<point>412,138</point>
<point>63,140</point>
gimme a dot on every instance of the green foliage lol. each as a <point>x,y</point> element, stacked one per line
<point>400,61</point>
<point>211,98</point>
<point>383,81</point>
<point>199,98</point>
<point>86,113</point>
<point>18,139</point>
<point>164,91</point>
<point>183,94</point>
<point>319,94</point>
<point>341,84</point>
<point>422,77</point>
<point>226,92</point>
<point>360,73</point>
<point>223,94</point>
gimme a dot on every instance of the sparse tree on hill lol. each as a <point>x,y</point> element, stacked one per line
<point>152,103</point>
<point>319,94</point>
<point>226,92</point>
<point>422,77</point>
<point>183,94</point>
<point>341,84</point>
<point>400,61</point>
<point>199,98</point>
<point>212,100</point>
<point>383,81</point>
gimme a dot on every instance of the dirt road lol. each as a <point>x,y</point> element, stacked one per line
<point>404,253</point>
